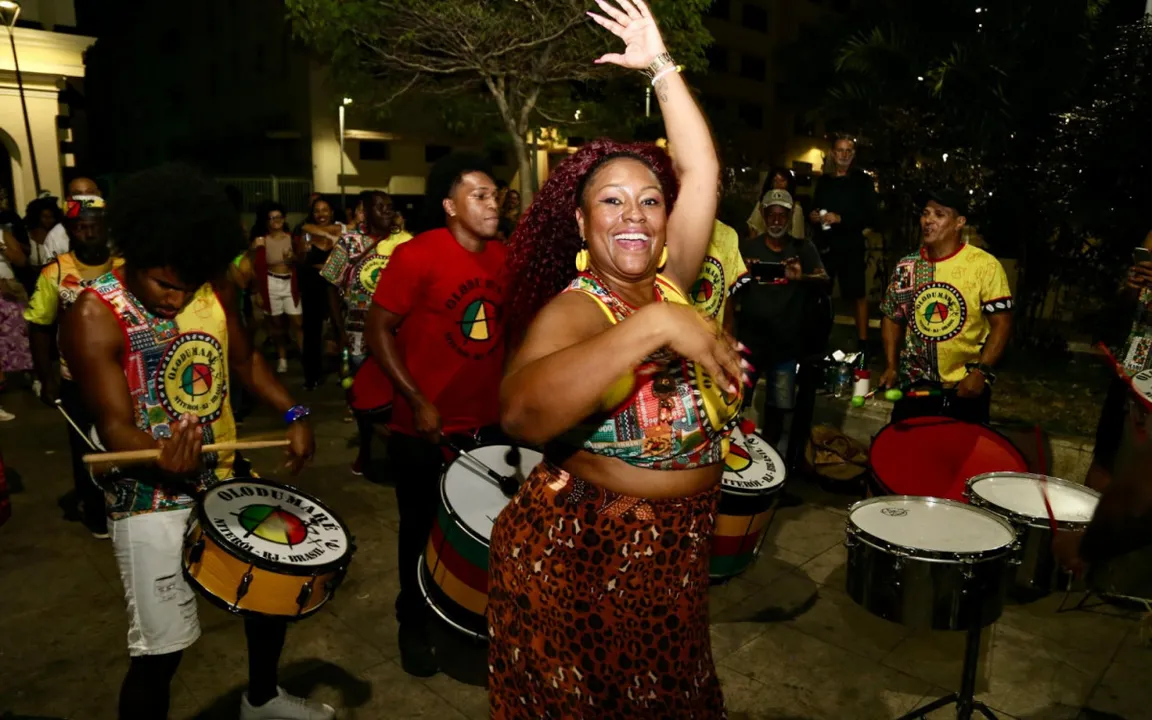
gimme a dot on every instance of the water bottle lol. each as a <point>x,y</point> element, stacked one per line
<point>844,380</point>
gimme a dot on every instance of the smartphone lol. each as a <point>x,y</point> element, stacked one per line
<point>767,272</point>
<point>1141,254</point>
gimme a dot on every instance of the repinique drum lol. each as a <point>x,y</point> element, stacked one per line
<point>935,456</point>
<point>454,567</point>
<point>256,547</point>
<point>929,563</point>
<point>1019,498</point>
<point>753,476</point>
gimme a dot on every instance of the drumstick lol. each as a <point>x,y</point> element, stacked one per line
<point>154,453</point>
<point>508,485</point>
<point>83,435</point>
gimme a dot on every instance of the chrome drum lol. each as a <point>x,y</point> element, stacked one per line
<point>929,563</point>
<point>1019,498</point>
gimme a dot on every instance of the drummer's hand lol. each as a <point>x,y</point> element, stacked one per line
<point>1140,276</point>
<point>888,379</point>
<point>971,386</point>
<point>427,420</point>
<point>301,446</point>
<point>180,454</point>
<point>1066,548</point>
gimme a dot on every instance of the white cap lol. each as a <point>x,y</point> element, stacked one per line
<point>777,197</point>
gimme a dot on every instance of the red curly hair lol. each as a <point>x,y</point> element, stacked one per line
<point>542,250</point>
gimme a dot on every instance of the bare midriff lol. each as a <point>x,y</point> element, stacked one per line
<point>279,254</point>
<point>621,478</point>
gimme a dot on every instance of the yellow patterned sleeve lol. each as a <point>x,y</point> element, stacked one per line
<point>42,307</point>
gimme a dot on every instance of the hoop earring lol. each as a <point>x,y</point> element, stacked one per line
<point>582,259</point>
<point>663,257</point>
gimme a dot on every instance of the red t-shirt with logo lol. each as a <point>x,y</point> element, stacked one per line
<point>452,336</point>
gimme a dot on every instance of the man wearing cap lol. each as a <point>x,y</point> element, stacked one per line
<point>57,287</point>
<point>947,318</point>
<point>785,272</point>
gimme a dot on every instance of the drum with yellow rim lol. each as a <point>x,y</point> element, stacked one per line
<point>753,477</point>
<point>256,547</point>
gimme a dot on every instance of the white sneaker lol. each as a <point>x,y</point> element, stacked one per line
<point>36,388</point>
<point>282,366</point>
<point>5,416</point>
<point>285,707</point>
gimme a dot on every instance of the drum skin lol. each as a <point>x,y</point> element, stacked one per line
<point>935,457</point>
<point>218,575</point>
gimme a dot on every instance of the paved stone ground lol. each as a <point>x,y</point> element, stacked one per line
<point>788,641</point>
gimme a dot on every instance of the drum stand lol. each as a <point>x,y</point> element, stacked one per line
<point>965,700</point>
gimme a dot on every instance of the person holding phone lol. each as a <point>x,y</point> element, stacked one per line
<point>1132,353</point>
<point>785,271</point>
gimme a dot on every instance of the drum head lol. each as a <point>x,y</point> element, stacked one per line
<point>932,525</point>
<point>1022,494</point>
<point>935,456</point>
<point>752,466</point>
<point>472,497</point>
<point>274,526</point>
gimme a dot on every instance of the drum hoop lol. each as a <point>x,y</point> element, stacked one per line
<point>1037,521</point>
<point>210,530</point>
<point>420,570</point>
<point>770,490</point>
<point>940,556</point>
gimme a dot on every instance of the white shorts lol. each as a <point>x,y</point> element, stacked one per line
<point>280,296</point>
<point>162,615</point>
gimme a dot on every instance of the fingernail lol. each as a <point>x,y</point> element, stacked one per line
<point>748,365</point>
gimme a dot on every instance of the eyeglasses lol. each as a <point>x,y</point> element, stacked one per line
<point>275,217</point>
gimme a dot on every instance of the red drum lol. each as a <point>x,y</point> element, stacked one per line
<point>935,457</point>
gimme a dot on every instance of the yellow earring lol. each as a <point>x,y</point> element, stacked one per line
<point>582,260</point>
<point>664,257</point>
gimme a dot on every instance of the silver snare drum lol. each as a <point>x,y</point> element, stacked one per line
<point>1019,498</point>
<point>928,563</point>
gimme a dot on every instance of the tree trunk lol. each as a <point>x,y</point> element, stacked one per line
<point>524,163</point>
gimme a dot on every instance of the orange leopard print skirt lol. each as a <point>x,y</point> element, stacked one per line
<point>598,604</point>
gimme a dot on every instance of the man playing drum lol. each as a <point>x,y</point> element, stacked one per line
<point>947,319</point>
<point>151,346</point>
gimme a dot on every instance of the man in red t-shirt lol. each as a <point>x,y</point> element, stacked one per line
<point>436,328</point>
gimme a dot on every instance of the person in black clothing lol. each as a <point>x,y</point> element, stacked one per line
<point>313,242</point>
<point>845,206</point>
<point>787,273</point>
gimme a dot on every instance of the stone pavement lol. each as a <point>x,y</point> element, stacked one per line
<point>788,641</point>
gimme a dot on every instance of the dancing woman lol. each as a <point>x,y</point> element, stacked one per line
<point>598,602</point>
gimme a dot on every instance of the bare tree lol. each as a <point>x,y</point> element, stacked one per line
<point>527,54</point>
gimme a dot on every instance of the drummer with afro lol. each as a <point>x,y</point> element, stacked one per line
<point>152,346</point>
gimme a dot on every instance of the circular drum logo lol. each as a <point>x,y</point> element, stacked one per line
<point>369,271</point>
<point>940,312</point>
<point>192,377</point>
<point>708,292</point>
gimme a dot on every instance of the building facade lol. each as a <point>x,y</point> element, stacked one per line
<point>51,58</point>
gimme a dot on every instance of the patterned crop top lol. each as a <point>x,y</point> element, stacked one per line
<point>668,414</point>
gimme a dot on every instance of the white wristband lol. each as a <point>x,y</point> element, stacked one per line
<point>665,71</point>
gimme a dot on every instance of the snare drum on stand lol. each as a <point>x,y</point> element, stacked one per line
<point>753,476</point>
<point>1019,498</point>
<point>453,572</point>
<point>256,547</point>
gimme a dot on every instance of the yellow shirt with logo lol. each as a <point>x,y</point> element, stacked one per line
<point>944,305</point>
<point>722,273</point>
<point>58,286</point>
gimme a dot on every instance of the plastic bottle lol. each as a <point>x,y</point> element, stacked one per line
<point>844,380</point>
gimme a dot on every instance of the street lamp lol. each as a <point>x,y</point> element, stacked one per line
<point>9,11</point>
<point>343,202</point>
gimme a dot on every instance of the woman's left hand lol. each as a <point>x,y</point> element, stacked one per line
<point>632,22</point>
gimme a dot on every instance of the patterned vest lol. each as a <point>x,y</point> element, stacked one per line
<point>173,367</point>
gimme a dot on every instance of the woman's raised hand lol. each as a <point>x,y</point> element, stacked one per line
<point>632,22</point>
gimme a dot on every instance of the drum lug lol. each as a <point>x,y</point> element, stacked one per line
<point>196,552</point>
<point>304,596</point>
<point>242,588</point>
